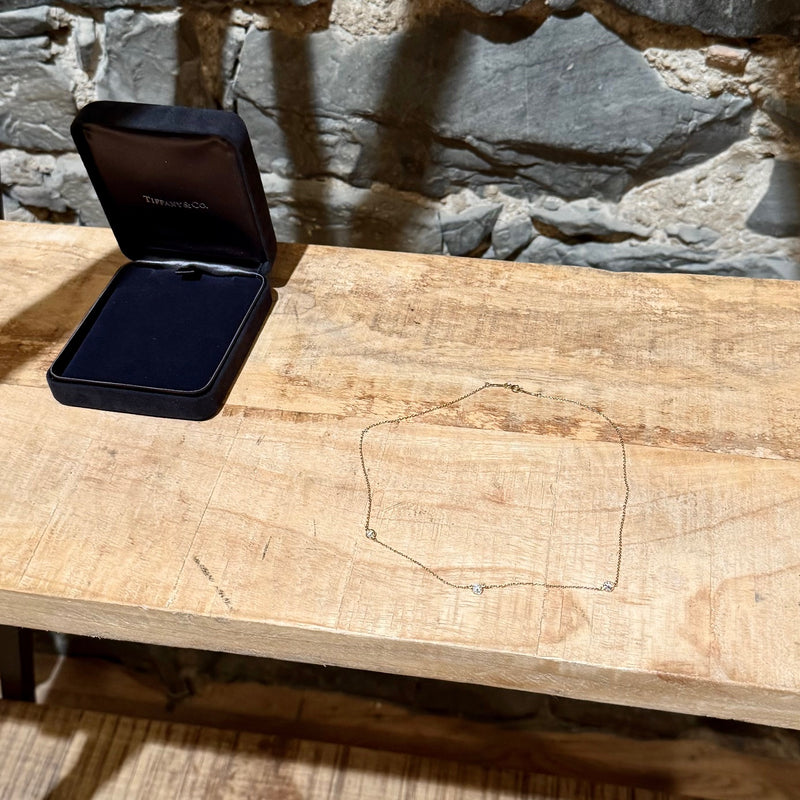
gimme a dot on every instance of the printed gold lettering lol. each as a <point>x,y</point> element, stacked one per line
<point>187,204</point>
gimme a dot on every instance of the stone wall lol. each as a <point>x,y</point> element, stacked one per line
<point>623,134</point>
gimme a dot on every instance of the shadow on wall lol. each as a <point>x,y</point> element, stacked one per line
<point>200,51</point>
<point>357,177</point>
<point>408,150</point>
<point>777,212</point>
<point>201,81</point>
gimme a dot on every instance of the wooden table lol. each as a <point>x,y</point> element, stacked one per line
<point>245,533</point>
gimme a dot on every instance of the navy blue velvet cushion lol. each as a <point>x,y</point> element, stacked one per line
<point>157,328</point>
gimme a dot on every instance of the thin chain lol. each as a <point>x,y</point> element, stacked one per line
<point>479,588</point>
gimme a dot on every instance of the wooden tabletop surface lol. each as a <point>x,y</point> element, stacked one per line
<point>245,533</point>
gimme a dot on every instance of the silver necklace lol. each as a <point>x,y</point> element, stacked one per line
<point>478,587</point>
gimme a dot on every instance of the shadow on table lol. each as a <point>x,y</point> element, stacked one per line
<point>286,261</point>
<point>52,318</point>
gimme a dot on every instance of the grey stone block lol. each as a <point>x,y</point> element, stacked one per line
<point>544,250</point>
<point>14,212</point>
<point>292,145</point>
<point>463,233</point>
<point>148,4</point>
<point>332,212</point>
<point>693,234</point>
<point>76,189</point>
<point>26,22</point>
<point>13,5</point>
<point>756,265</point>
<point>586,217</point>
<point>567,108</point>
<point>141,63</point>
<point>36,111</point>
<point>618,257</point>
<point>510,235</point>
<point>496,6</point>
<point>25,169</point>
<point>56,183</point>
<point>722,17</point>
<point>117,4</point>
<point>45,195</point>
<point>778,211</point>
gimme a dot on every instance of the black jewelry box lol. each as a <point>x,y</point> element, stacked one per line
<point>182,193</point>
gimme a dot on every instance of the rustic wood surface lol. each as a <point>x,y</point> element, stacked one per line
<point>245,532</point>
<point>55,754</point>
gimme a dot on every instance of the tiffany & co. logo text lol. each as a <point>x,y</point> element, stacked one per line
<point>159,201</point>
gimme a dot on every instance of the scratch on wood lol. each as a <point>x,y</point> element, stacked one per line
<point>266,547</point>
<point>222,596</point>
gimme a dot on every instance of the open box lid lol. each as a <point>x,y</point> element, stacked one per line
<point>177,183</point>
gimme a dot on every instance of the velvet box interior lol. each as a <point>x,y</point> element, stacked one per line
<point>183,196</point>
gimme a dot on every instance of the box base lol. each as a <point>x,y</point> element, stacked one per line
<point>162,342</point>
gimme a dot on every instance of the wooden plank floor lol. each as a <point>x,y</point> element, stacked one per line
<point>589,743</point>
<point>51,753</point>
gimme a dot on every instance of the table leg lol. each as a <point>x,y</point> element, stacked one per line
<point>16,663</point>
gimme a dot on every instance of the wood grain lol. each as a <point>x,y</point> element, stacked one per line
<point>59,753</point>
<point>245,533</point>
